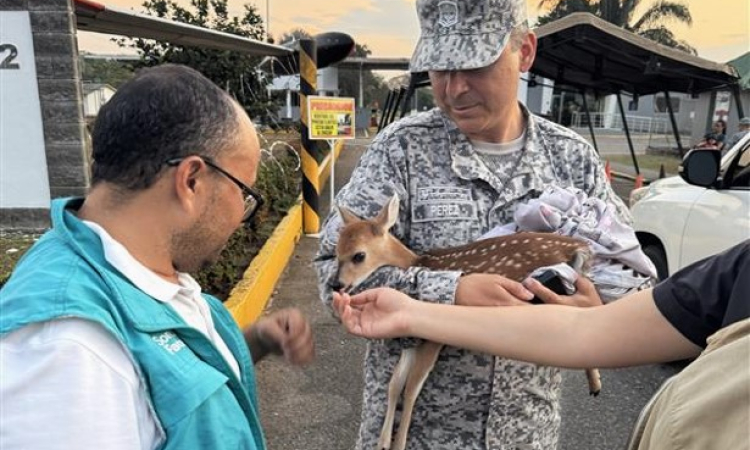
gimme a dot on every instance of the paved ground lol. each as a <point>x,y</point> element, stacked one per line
<point>317,408</point>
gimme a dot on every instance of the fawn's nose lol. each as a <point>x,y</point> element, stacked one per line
<point>335,285</point>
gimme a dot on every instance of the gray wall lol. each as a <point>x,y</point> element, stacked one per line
<point>59,81</point>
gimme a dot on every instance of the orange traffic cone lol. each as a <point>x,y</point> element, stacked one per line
<point>638,181</point>
<point>608,170</point>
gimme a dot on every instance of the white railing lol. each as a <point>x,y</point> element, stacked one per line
<point>636,124</point>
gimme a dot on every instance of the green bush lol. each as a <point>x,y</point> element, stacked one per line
<point>12,247</point>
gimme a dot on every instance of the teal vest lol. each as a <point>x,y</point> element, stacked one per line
<point>198,399</point>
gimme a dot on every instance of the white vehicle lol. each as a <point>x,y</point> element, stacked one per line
<point>680,220</point>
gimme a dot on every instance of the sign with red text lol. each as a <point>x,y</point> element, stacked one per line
<point>330,117</point>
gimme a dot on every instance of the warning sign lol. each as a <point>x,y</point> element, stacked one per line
<point>331,117</point>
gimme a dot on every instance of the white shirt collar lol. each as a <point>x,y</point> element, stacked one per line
<point>138,274</point>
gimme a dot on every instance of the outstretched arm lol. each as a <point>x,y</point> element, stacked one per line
<point>628,332</point>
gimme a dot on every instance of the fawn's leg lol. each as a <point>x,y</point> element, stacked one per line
<point>595,381</point>
<point>398,380</point>
<point>425,358</point>
<point>581,264</point>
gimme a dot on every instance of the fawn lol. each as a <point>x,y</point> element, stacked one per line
<point>366,245</point>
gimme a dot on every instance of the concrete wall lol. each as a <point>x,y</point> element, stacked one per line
<point>95,99</point>
<point>59,90</point>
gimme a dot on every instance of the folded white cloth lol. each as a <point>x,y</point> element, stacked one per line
<point>619,264</point>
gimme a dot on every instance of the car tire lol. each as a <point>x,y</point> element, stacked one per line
<point>657,256</point>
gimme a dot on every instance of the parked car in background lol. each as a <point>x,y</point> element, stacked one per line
<point>705,210</point>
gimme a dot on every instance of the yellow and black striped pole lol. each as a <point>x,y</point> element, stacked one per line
<point>308,79</point>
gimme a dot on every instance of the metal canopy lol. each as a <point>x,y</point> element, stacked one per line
<point>588,53</point>
<point>584,52</point>
<point>357,62</point>
<point>96,17</point>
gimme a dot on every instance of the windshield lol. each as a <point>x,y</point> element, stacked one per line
<point>729,155</point>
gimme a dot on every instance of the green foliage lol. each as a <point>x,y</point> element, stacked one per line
<point>105,71</point>
<point>374,88</point>
<point>650,25</point>
<point>12,248</point>
<point>235,72</point>
<point>294,34</point>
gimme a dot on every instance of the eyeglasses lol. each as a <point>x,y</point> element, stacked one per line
<point>252,198</point>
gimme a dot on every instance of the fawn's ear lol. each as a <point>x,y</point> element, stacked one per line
<point>347,216</point>
<point>388,216</point>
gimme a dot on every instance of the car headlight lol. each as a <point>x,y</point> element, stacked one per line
<point>637,195</point>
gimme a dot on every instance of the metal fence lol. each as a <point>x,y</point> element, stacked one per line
<point>636,124</point>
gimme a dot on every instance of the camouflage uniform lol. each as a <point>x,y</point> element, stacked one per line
<point>449,197</point>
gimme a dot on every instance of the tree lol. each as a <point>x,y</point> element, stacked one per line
<point>106,71</point>
<point>651,25</point>
<point>294,35</point>
<point>374,88</point>
<point>237,73</point>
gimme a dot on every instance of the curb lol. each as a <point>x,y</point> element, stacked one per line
<point>250,295</point>
<point>627,176</point>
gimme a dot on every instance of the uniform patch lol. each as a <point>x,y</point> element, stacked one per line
<point>443,203</point>
<point>443,193</point>
<point>448,13</point>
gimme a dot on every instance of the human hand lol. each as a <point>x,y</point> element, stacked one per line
<point>481,289</point>
<point>585,294</point>
<point>374,313</point>
<point>285,332</point>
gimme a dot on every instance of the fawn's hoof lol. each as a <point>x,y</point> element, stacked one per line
<point>594,393</point>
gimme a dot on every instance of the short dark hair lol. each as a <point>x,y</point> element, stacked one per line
<point>165,112</point>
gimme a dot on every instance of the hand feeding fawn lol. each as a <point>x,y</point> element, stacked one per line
<point>366,245</point>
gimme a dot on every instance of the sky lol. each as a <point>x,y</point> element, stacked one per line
<point>720,30</point>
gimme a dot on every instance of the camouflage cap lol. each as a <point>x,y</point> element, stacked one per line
<point>464,34</point>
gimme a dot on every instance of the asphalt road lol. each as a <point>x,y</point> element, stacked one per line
<point>318,407</point>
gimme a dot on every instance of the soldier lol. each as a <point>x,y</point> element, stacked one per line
<point>460,170</point>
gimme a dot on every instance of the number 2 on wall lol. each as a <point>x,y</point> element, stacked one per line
<point>7,62</point>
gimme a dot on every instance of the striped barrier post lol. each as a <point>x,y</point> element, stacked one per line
<point>310,154</point>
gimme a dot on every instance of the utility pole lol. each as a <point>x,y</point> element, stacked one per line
<point>268,20</point>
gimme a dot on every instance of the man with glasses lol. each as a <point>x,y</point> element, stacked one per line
<point>105,338</point>
<point>252,199</point>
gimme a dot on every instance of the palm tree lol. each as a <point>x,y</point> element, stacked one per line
<point>620,12</point>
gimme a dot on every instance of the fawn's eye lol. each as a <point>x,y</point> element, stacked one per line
<point>358,258</point>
